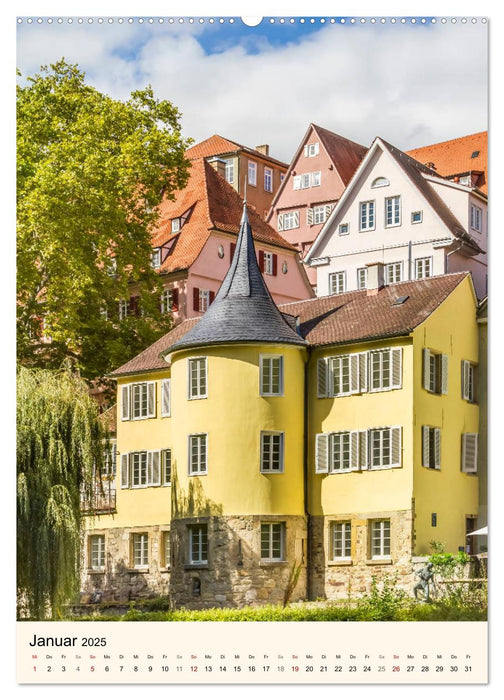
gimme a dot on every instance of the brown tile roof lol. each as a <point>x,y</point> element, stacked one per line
<point>344,154</point>
<point>454,157</point>
<point>217,145</point>
<point>209,203</point>
<point>337,319</point>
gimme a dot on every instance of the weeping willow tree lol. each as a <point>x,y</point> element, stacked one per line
<point>59,449</point>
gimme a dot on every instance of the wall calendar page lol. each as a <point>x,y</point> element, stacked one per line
<point>252,349</point>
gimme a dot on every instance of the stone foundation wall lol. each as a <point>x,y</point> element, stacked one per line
<point>352,578</point>
<point>235,575</point>
<point>120,580</point>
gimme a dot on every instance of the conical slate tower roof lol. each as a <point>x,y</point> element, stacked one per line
<point>243,310</point>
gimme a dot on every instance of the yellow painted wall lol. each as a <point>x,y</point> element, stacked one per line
<point>449,492</point>
<point>233,415</point>
<point>147,505</point>
<point>364,491</point>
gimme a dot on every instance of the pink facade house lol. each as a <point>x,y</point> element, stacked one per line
<point>402,214</point>
<point>194,242</point>
<point>317,176</point>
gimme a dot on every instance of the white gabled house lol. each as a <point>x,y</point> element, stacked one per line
<point>402,214</point>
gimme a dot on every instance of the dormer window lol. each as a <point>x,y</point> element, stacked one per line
<point>175,225</point>
<point>156,258</point>
<point>380,182</point>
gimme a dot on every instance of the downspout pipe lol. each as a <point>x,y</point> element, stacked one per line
<point>305,477</point>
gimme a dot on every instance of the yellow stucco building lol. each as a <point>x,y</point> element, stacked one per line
<point>300,450</point>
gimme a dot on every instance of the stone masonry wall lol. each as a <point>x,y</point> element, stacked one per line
<point>235,575</point>
<point>352,579</point>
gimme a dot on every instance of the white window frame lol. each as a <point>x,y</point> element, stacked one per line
<point>340,538</point>
<point>468,381</point>
<point>380,182</point>
<point>288,220</point>
<point>418,213</point>
<point>393,211</point>
<point>431,447</point>
<point>392,270</point>
<point>140,550</point>
<point>380,530</point>
<point>367,215</point>
<point>342,231</point>
<point>268,180</point>
<point>156,258</point>
<point>388,363</point>
<point>166,301</point>
<point>385,436</point>
<point>423,268</point>
<point>252,173</point>
<point>362,274</point>
<point>166,544</point>
<point>268,438</point>
<point>197,369</point>
<point>271,366</point>
<point>229,170</point>
<point>435,372</point>
<point>337,282</point>
<point>269,528</point>
<point>340,445</point>
<point>319,214</point>
<point>175,225</point>
<point>139,474</point>
<point>268,262</point>
<point>203,300</point>
<point>97,554</point>
<point>123,309</point>
<point>316,178</point>
<point>311,149</point>
<point>476,218</point>
<point>198,535</point>
<point>146,405</point>
<point>165,398</point>
<point>197,454</point>
<point>166,466</point>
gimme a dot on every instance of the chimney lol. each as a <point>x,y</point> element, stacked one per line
<point>218,165</point>
<point>375,278</point>
<point>264,149</point>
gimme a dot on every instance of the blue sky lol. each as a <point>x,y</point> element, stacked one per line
<point>405,82</point>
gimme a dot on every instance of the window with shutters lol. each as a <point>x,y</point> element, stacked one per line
<point>166,398</point>
<point>431,447</point>
<point>268,262</point>
<point>138,401</point>
<point>140,469</point>
<point>97,552</point>
<point>252,173</point>
<point>379,544</point>
<point>385,447</point>
<point>272,541</point>
<point>476,218</point>
<point>468,381</point>
<point>166,466</point>
<point>139,550</point>
<point>288,220</point>
<point>272,452</point>
<point>271,375</point>
<point>268,180</point>
<point>362,278</point>
<point>198,544</point>
<point>342,375</point>
<point>344,229</point>
<point>340,452</point>
<point>311,150</point>
<point>423,268</point>
<point>393,272</point>
<point>366,216</point>
<point>340,541</point>
<point>169,301</point>
<point>392,211</point>
<point>435,372</point>
<point>198,447</point>
<point>203,300</point>
<point>385,369</point>
<point>319,214</point>
<point>197,378</point>
<point>337,282</point>
<point>470,453</point>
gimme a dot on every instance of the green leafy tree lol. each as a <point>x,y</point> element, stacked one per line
<point>60,445</point>
<point>91,171</point>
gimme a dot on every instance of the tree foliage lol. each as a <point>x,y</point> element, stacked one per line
<point>90,172</point>
<point>60,444</point>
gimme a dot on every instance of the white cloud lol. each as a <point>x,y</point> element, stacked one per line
<point>413,86</point>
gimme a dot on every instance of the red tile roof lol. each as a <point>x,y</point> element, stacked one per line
<point>453,157</point>
<point>217,145</point>
<point>344,154</point>
<point>337,319</point>
<point>211,203</point>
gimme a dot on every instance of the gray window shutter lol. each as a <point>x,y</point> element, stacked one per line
<point>124,471</point>
<point>280,222</point>
<point>444,374</point>
<point>437,448</point>
<point>465,379</point>
<point>305,150</point>
<point>425,446</point>
<point>354,373</point>
<point>165,388</point>
<point>296,219</point>
<point>151,399</point>
<point>396,446</point>
<point>328,210</point>
<point>125,402</point>
<point>153,468</point>
<point>396,362</point>
<point>322,378</point>
<point>363,449</point>
<point>354,449</point>
<point>363,372</point>
<point>322,453</point>
<point>309,216</point>
<point>426,369</point>
<point>470,453</point>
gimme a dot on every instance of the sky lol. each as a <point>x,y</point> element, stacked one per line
<point>411,83</point>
